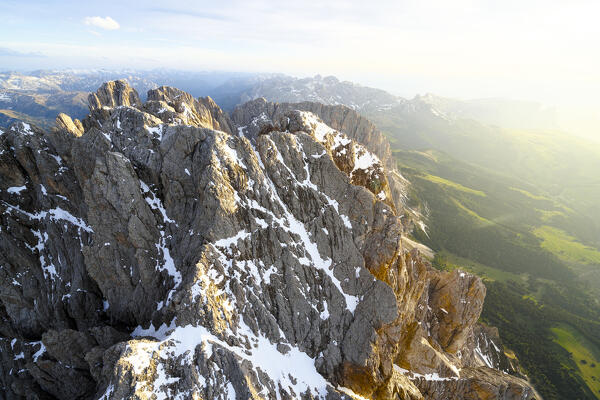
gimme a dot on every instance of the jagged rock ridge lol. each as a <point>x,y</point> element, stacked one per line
<point>165,250</point>
<point>259,115</point>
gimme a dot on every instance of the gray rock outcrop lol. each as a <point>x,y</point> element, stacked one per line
<point>170,251</point>
<point>259,115</point>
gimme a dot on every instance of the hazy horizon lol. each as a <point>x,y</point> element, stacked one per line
<point>539,51</point>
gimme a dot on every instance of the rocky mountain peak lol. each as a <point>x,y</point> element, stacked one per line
<point>167,250</point>
<point>259,114</point>
<point>114,94</point>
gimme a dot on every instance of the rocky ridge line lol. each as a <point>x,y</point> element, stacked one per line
<point>164,251</point>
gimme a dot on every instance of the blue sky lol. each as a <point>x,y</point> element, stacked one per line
<point>545,51</point>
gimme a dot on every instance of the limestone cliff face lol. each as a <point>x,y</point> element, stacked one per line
<point>259,115</point>
<point>164,250</point>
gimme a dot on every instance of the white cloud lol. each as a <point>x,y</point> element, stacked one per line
<point>105,23</point>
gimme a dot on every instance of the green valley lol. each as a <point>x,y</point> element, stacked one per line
<point>536,252</point>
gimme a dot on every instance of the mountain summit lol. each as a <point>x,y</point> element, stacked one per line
<point>164,249</point>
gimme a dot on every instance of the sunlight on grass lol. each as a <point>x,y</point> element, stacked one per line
<point>565,246</point>
<point>549,215</point>
<point>584,354</point>
<point>530,195</point>
<point>453,185</point>
<point>483,271</point>
<point>471,212</point>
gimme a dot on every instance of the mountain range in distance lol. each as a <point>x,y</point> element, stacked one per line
<point>39,95</point>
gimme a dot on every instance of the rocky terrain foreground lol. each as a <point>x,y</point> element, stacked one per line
<point>167,250</point>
